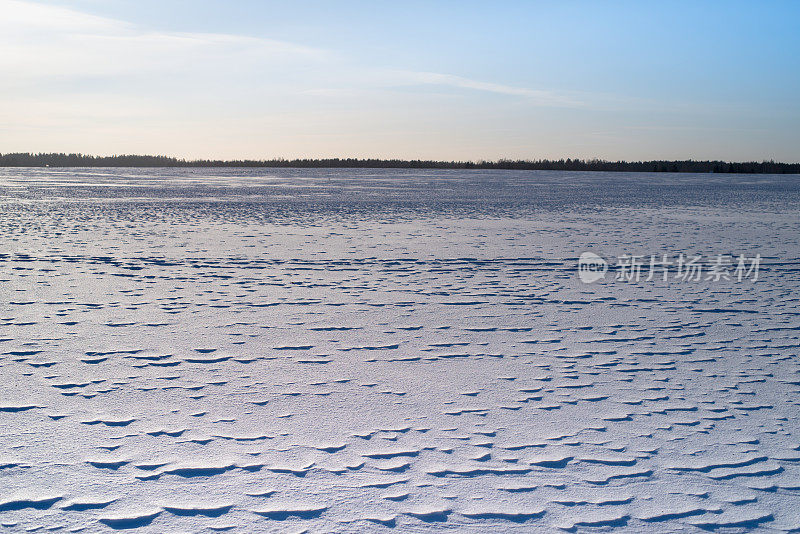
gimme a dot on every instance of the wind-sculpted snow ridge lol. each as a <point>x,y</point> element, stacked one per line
<point>379,351</point>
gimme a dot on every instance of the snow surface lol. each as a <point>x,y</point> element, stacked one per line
<point>379,350</point>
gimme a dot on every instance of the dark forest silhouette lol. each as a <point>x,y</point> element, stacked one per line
<point>81,160</point>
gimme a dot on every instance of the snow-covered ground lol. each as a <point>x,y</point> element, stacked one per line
<point>375,351</point>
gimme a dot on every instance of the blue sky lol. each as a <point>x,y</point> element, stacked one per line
<point>441,80</point>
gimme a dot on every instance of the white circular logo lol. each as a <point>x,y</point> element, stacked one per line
<point>591,267</point>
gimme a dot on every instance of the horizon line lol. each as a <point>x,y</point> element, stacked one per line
<point>78,160</point>
<point>478,161</point>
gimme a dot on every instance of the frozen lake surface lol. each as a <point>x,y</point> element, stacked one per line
<point>273,350</point>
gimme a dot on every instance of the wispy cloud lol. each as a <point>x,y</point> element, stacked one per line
<point>39,42</point>
<point>21,16</point>
<point>43,41</point>
<point>539,96</point>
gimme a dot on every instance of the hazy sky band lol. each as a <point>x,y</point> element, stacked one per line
<point>433,80</point>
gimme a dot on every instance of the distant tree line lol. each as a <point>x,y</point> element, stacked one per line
<point>82,160</point>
